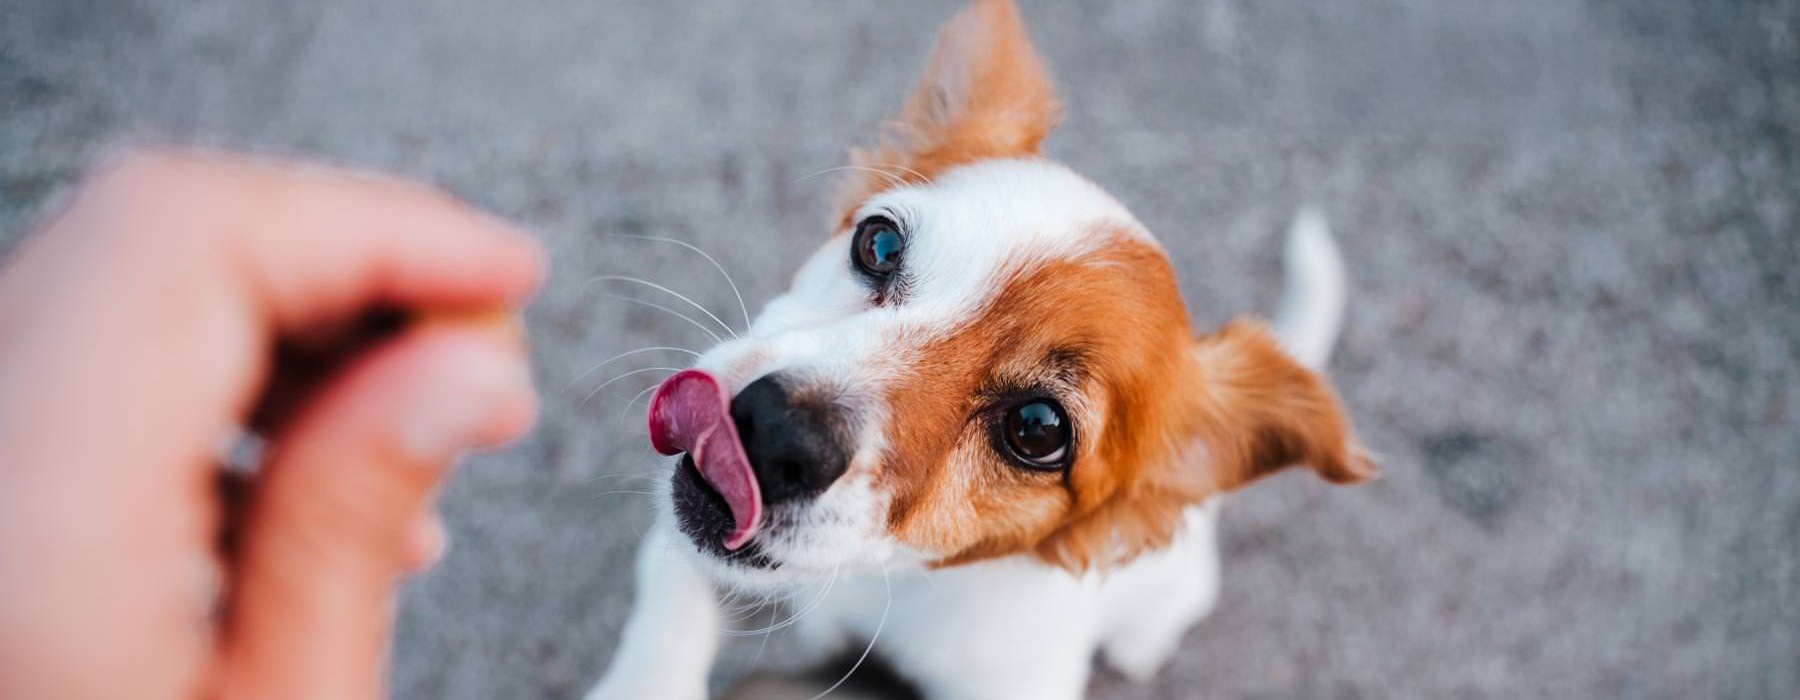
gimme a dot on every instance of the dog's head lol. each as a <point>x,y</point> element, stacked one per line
<point>988,357</point>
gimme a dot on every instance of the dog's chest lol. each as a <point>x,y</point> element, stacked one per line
<point>1012,611</point>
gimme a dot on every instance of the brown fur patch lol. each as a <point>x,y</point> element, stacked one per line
<point>1265,411</point>
<point>1107,333</point>
<point>984,94</point>
<point>1240,410</point>
<point>1162,421</point>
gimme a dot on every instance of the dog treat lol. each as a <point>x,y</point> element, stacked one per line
<point>504,325</point>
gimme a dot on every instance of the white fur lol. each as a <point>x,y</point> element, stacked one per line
<point>1006,628</point>
<point>1016,628</point>
<point>1312,306</point>
<point>668,645</point>
<point>967,231</point>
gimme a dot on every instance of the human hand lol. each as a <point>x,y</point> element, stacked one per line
<point>138,331</point>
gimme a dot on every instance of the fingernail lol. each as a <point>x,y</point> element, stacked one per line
<point>478,384</point>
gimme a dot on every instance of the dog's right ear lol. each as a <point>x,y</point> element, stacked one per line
<point>984,94</point>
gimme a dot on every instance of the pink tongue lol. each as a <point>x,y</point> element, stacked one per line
<point>691,413</point>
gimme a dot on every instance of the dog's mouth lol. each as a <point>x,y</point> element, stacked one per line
<point>704,515</point>
<point>691,414</point>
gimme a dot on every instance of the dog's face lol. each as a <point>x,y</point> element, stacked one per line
<point>989,356</point>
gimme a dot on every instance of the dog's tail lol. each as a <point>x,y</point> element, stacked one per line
<point>1312,307</point>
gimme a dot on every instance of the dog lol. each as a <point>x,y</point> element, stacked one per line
<point>980,414</point>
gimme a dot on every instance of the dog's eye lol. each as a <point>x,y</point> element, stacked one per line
<point>1037,432</point>
<point>877,247</point>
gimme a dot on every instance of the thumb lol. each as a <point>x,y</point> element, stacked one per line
<point>335,521</point>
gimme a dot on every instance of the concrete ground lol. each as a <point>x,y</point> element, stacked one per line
<point>1573,230</point>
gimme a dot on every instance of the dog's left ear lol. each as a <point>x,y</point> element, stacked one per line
<point>1262,411</point>
<point>983,95</point>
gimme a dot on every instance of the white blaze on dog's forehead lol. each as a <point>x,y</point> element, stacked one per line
<point>974,226</point>
<point>968,231</point>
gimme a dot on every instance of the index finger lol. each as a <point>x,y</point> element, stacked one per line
<point>312,245</point>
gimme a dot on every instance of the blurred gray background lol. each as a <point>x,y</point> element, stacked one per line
<point>1573,230</point>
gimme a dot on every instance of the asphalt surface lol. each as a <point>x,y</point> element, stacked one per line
<point>1574,240</point>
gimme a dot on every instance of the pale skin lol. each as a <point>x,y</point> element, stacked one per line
<point>137,335</point>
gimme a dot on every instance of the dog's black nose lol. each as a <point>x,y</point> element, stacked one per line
<point>796,446</point>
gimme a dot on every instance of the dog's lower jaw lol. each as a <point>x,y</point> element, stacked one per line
<point>1006,628</point>
<point>702,515</point>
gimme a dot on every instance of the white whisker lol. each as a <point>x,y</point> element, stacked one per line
<point>743,612</point>
<point>814,605</point>
<point>715,336</point>
<point>774,612</point>
<point>603,477</point>
<point>729,601</point>
<point>604,494</point>
<point>915,173</point>
<point>665,290</point>
<point>833,169</point>
<point>610,382</point>
<point>891,179</point>
<point>721,268</point>
<point>886,584</point>
<point>902,168</point>
<point>633,402</point>
<point>629,353</point>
